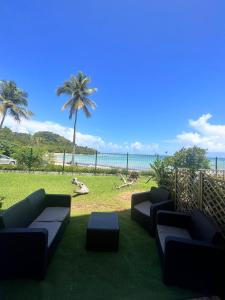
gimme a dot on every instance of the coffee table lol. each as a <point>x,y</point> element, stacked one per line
<point>103,232</point>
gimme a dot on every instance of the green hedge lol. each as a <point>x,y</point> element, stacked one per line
<point>71,169</point>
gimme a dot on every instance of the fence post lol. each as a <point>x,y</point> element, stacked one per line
<point>127,163</point>
<point>216,165</point>
<point>96,160</point>
<point>30,159</point>
<point>175,188</point>
<point>64,157</point>
<point>200,189</point>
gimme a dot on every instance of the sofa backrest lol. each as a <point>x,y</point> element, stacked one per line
<point>36,200</point>
<point>202,227</point>
<point>24,212</point>
<point>18,215</point>
<point>159,194</point>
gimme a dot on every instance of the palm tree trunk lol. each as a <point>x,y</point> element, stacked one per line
<point>3,118</point>
<point>74,138</point>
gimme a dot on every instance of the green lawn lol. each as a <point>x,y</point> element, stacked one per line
<point>132,273</point>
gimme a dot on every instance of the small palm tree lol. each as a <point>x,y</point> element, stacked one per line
<point>13,101</point>
<point>78,91</point>
<point>161,173</point>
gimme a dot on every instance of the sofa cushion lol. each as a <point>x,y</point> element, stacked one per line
<point>18,215</point>
<point>52,227</point>
<point>37,202</point>
<point>159,194</point>
<point>51,214</point>
<point>202,227</point>
<point>164,231</point>
<point>143,207</point>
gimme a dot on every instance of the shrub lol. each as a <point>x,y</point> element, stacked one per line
<point>191,158</point>
<point>58,168</point>
<point>28,157</point>
<point>161,173</point>
<point>7,148</point>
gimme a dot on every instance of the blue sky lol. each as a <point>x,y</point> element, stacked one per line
<point>157,66</point>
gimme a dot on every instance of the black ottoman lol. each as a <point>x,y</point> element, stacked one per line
<point>103,232</point>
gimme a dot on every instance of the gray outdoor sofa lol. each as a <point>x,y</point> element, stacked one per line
<point>29,233</point>
<point>192,250</point>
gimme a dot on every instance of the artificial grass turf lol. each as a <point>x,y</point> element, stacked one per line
<point>132,273</point>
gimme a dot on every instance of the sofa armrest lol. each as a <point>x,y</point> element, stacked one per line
<point>171,218</point>
<point>58,200</point>
<point>23,252</point>
<point>164,205</point>
<point>192,248</point>
<point>139,197</point>
<point>193,258</point>
<point>154,208</point>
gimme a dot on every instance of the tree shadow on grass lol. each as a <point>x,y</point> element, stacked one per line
<point>131,273</point>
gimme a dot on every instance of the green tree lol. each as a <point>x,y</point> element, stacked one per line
<point>191,158</point>
<point>13,101</point>
<point>29,157</point>
<point>78,91</point>
<point>7,148</point>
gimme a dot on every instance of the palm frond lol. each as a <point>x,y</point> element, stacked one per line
<point>71,113</point>
<point>19,112</point>
<point>80,76</point>
<point>89,91</point>
<point>67,104</point>
<point>90,102</point>
<point>73,110</point>
<point>86,111</point>
<point>75,82</point>
<point>20,100</point>
<point>65,89</point>
<point>85,81</point>
<point>73,104</point>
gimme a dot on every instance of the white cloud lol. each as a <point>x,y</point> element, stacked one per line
<point>204,135</point>
<point>96,142</point>
<point>143,148</point>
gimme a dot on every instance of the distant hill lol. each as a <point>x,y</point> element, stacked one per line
<point>45,140</point>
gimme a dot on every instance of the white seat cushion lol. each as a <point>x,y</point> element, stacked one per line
<point>52,228</point>
<point>53,214</point>
<point>164,231</point>
<point>144,207</point>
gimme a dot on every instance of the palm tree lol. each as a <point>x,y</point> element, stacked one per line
<point>13,101</point>
<point>78,91</point>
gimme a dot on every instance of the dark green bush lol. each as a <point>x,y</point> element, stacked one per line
<point>69,169</point>
<point>191,158</point>
<point>29,157</point>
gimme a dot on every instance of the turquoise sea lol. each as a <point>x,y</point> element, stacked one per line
<point>134,161</point>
